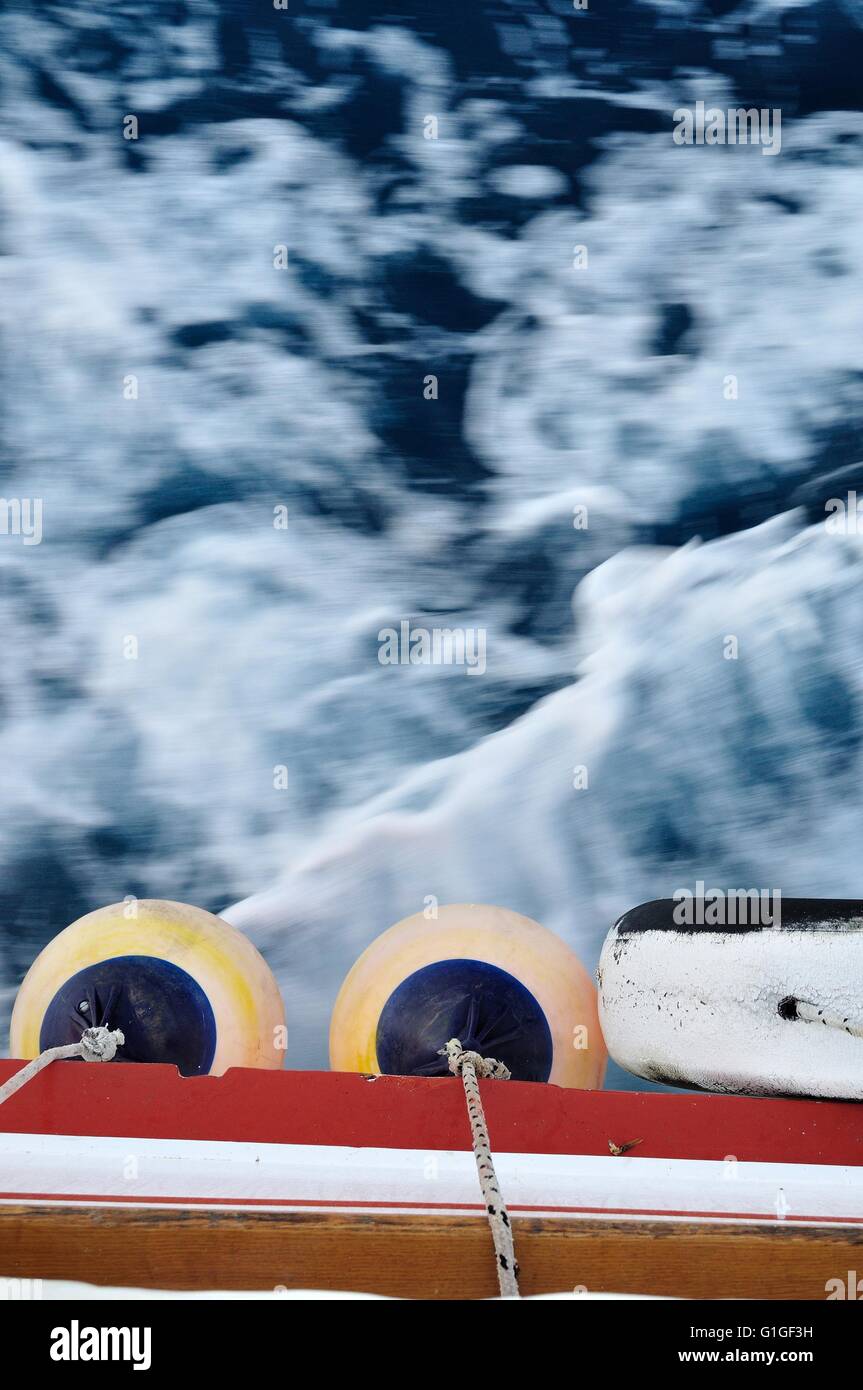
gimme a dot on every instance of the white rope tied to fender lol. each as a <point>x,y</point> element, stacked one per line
<point>96,1045</point>
<point>470,1065</point>
<point>811,1013</point>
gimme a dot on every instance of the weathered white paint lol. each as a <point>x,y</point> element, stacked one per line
<point>702,1008</point>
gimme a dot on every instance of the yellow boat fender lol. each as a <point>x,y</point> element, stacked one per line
<point>181,985</point>
<point>501,984</point>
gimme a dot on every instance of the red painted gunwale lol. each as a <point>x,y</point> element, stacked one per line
<point>345,1108</point>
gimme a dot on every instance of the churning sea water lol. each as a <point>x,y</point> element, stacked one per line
<point>369,318</point>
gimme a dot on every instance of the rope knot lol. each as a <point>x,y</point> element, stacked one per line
<point>100,1044</point>
<point>96,1045</point>
<point>456,1055</point>
<point>469,1066</point>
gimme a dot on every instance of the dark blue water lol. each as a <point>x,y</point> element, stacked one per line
<point>168,388</point>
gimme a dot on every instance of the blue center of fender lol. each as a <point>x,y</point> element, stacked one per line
<point>163,1013</point>
<point>489,1011</point>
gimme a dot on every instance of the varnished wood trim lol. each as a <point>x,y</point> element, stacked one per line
<point>418,1256</point>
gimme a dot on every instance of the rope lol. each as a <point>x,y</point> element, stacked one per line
<point>470,1065</point>
<point>810,1013</point>
<point>96,1045</point>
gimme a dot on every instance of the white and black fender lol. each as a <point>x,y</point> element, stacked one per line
<point>772,1009</point>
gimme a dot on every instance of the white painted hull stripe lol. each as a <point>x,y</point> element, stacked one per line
<point>68,1169</point>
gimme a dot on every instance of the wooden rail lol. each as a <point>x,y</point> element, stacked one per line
<point>425,1257</point>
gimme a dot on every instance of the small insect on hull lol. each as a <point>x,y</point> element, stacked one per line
<point>267,1179</point>
<point>770,1009</point>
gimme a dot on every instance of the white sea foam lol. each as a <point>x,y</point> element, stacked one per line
<point>597,391</point>
<point>742,770</point>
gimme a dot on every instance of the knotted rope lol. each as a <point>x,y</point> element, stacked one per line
<point>470,1065</point>
<point>96,1045</point>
